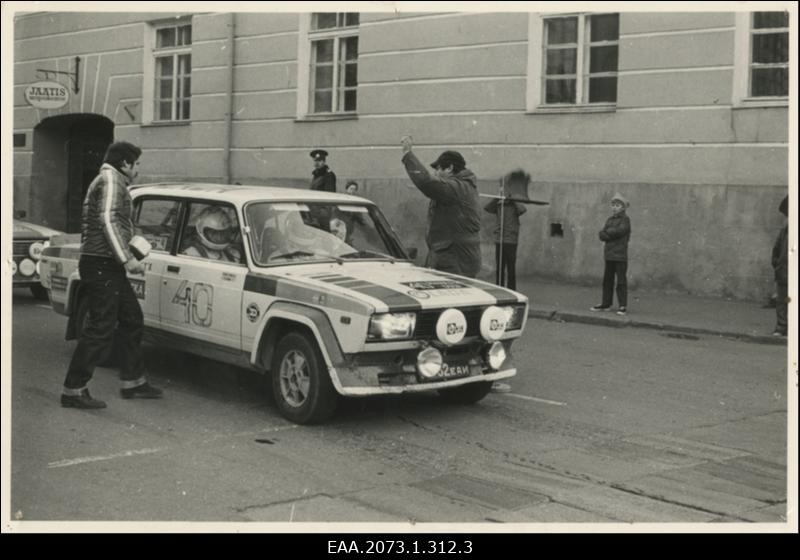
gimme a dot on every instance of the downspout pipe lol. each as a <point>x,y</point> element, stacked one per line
<point>229,61</point>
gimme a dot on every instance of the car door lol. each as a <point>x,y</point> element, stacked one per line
<point>155,219</point>
<point>201,294</point>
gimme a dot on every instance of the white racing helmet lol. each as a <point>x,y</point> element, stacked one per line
<point>215,228</point>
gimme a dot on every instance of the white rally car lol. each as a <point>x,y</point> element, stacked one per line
<point>312,288</point>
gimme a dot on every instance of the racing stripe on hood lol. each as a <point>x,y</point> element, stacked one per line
<point>296,291</point>
<point>502,295</point>
<point>396,301</point>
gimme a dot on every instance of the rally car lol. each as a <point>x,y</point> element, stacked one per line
<point>29,242</point>
<point>312,288</point>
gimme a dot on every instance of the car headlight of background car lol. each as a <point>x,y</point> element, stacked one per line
<point>516,316</point>
<point>391,326</point>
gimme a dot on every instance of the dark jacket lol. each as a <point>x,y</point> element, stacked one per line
<point>106,226</point>
<point>616,234</point>
<point>511,213</point>
<point>454,220</point>
<point>780,256</point>
<point>323,179</point>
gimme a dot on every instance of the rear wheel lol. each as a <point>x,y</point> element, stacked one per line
<point>39,291</point>
<point>466,394</point>
<point>300,382</point>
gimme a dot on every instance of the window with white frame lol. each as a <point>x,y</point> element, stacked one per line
<point>574,60</point>
<point>769,54</point>
<point>333,63</point>
<point>172,72</point>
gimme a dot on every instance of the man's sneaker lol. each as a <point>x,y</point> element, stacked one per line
<point>498,387</point>
<point>600,307</point>
<point>143,391</point>
<point>622,311</point>
<point>84,400</point>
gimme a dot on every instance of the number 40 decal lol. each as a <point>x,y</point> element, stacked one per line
<point>198,298</point>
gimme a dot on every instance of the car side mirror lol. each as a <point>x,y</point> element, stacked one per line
<point>412,252</point>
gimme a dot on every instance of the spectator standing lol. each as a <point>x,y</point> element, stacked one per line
<point>780,263</point>
<point>322,177</point>
<point>615,234</point>
<point>506,234</point>
<point>454,221</point>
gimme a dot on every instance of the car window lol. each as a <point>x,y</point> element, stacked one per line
<point>290,232</point>
<point>157,221</point>
<point>212,232</point>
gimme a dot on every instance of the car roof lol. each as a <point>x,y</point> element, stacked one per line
<point>240,194</point>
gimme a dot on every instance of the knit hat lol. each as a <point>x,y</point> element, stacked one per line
<point>621,199</point>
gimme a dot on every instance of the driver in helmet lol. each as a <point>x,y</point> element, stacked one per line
<point>214,235</point>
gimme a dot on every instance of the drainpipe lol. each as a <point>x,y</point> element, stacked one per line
<point>229,49</point>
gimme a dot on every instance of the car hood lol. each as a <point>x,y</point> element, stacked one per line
<point>395,287</point>
<point>27,230</point>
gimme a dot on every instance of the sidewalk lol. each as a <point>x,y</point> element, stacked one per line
<point>691,315</point>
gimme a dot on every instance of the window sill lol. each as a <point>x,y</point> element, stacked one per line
<point>561,109</point>
<point>760,103</point>
<point>166,123</point>
<point>328,117</point>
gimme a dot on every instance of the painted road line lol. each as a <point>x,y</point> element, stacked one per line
<point>80,460</point>
<point>536,399</point>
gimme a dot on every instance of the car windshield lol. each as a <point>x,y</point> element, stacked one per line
<point>299,232</point>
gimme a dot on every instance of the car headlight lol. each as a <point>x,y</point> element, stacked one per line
<point>515,316</point>
<point>429,362</point>
<point>391,326</point>
<point>493,322</point>
<point>496,355</point>
<point>35,250</point>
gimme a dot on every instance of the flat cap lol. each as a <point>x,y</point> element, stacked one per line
<point>449,158</point>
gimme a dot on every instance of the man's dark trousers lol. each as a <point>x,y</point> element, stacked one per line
<point>620,270</point>
<point>112,304</point>
<point>506,277</point>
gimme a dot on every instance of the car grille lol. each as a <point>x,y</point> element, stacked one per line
<point>21,248</point>
<point>426,322</point>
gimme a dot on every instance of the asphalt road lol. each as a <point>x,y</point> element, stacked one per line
<point>602,425</point>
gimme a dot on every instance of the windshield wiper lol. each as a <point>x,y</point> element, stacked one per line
<point>305,254</point>
<point>366,254</point>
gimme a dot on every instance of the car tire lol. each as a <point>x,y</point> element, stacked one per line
<point>39,292</point>
<point>300,382</point>
<point>466,394</point>
<point>112,358</point>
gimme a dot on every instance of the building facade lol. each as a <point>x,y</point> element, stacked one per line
<point>686,114</point>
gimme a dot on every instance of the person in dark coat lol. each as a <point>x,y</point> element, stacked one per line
<point>322,177</point>
<point>506,235</point>
<point>780,263</point>
<point>454,220</point>
<point>615,234</point>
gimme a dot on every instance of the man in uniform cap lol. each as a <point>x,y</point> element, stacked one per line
<point>323,179</point>
<point>454,221</point>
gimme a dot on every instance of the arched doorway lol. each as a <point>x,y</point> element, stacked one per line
<point>67,153</point>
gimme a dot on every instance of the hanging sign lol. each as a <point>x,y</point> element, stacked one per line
<point>47,95</point>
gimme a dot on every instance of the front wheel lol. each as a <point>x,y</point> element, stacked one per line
<point>466,394</point>
<point>300,383</point>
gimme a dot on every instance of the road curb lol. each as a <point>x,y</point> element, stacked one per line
<point>620,322</point>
